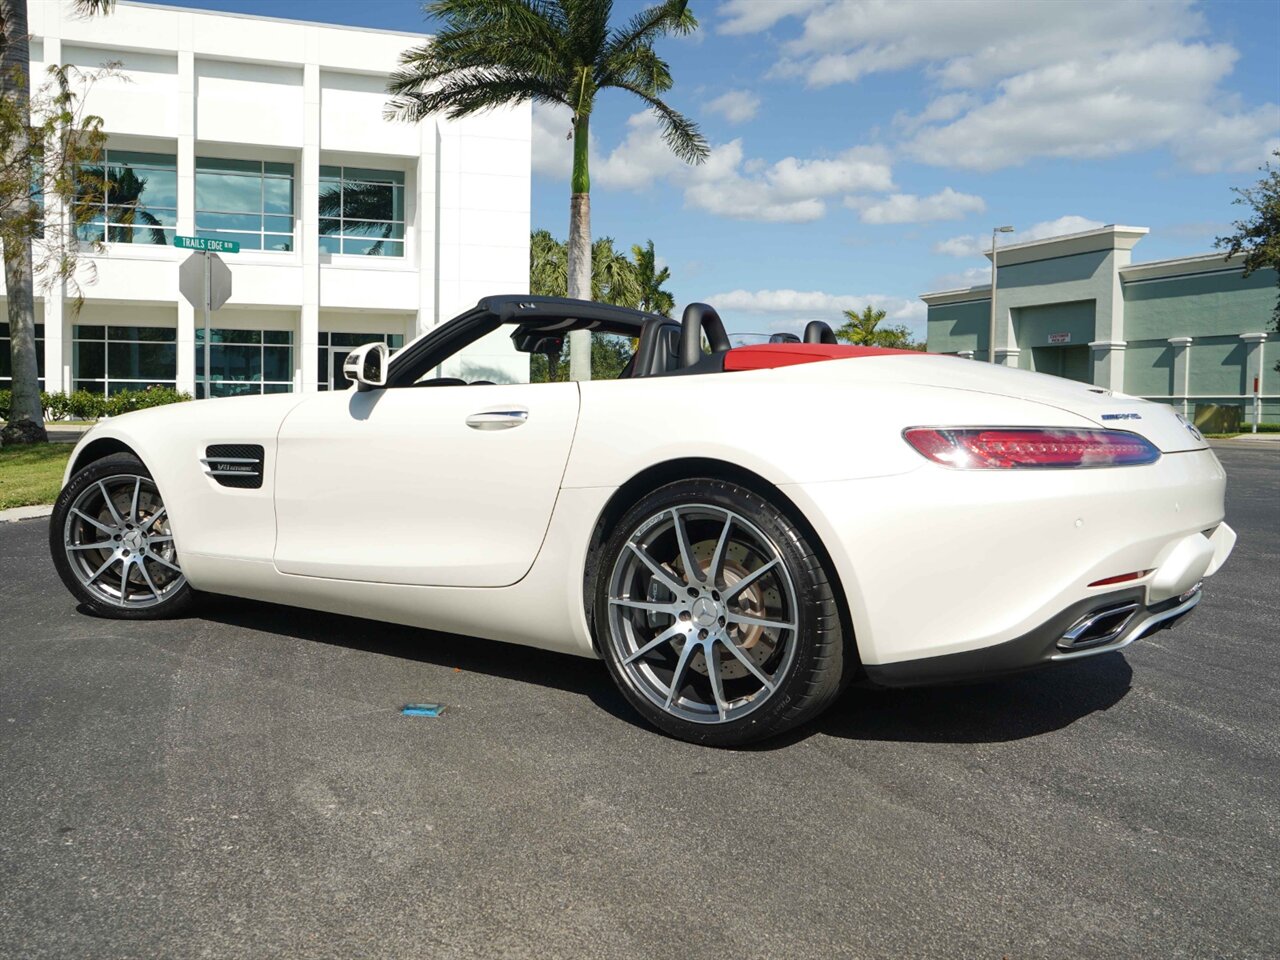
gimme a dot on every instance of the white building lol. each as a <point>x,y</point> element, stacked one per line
<point>241,128</point>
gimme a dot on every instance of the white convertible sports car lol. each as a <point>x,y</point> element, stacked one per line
<point>738,533</point>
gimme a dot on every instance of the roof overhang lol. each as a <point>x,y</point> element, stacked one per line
<point>964,295</point>
<point>1181,266</point>
<point>1110,237</point>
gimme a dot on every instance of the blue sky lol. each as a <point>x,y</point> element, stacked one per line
<point>862,151</point>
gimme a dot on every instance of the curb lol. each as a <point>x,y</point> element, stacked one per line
<point>26,513</point>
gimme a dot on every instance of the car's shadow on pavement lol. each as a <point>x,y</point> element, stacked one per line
<point>578,675</point>
<point>1013,708</point>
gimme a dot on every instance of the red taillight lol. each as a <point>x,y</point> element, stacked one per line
<point>971,448</point>
<point>1122,578</point>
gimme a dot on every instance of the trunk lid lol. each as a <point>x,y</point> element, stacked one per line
<point>1157,422</point>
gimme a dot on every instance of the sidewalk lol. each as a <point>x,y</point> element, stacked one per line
<point>26,513</point>
<point>1264,441</point>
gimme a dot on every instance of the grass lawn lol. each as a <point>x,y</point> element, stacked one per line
<point>32,473</point>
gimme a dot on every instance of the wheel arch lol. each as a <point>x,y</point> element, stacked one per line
<point>97,449</point>
<point>689,468</point>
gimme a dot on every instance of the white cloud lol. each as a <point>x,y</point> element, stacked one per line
<point>977,246</point>
<point>639,159</point>
<point>1129,101</point>
<point>792,190</point>
<point>751,16</point>
<point>736,106</point>
<point>552,150</point>
<point>816,304</point>
<point>728,183</point>
<point>971,277</point>
<point>1019,80</point>
<point>942,108</point>
<point>947,204</point>
<point>972,44</point>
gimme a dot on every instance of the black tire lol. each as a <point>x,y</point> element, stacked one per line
<point>171,594</point>
<point>803,686</point>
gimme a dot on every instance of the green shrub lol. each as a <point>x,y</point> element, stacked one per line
<point>4,404</point>
<point>129,400</point>
<point>85,405</point>
<point>57,406</point>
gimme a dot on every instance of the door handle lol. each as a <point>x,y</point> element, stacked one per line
<point>497,419</point>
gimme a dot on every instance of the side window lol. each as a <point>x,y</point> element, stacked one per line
<point>610,358</point>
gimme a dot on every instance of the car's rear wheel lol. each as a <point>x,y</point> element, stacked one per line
<point>716,616</point>
<point>112,543</point>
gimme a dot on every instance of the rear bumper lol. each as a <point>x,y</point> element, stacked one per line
<point>941,562</point>
<point>1097,625</point>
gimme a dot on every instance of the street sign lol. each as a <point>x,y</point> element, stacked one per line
<point>206,244</point>
<point>205,283</point>
<point>192,279</point>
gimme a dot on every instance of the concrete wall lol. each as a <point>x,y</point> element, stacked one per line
<point>1186,331</point>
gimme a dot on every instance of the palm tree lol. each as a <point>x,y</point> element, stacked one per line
<point>26,414</point>
<point>613,276</point>
<point>494,53</point>
<point>860,328</point>
<point>864,329</point>
<point>548,265</point>
<point>652,297</point>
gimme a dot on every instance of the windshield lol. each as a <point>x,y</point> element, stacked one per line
<point>751,339</point>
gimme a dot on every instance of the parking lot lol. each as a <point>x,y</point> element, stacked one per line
<point>243,784</point>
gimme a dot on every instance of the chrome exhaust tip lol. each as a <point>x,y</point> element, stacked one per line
<point>1099,627</point>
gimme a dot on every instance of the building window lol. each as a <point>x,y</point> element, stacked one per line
<point>247,201</point>
<point>245,361</point>
<point>334,348</point>
<point>111,359</point>
<point>133,198</point>
<point>6,356</point>
<point>362,211</point>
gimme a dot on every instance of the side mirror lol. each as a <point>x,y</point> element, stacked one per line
<point>367,366</point>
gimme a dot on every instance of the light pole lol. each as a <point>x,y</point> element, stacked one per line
<point>991,334</point>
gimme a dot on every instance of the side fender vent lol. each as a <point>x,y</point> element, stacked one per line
<point>234,464</point>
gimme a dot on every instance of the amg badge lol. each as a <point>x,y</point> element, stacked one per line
<point>1122,416</point>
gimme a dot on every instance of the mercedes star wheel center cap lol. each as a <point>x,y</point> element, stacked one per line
<point>705,612</point>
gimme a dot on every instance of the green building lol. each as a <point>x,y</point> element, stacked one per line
<point>1190,332</point>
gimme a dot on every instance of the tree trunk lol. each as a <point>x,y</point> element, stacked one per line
<point>580,248</point>
<point>26,413</point>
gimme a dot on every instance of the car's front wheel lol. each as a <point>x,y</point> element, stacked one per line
<point>112,543</point>
<point>716,615</point>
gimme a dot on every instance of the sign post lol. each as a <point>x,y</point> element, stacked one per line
<point>205,281</point>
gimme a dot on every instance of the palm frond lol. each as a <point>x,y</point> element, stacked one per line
<point>678,132</point>
<point>671,16</point>
<point>587,28</point>
<point>506,42</point>
<point>641,67</point>
<point>467,92</point>
<point>538,22</point>
<point>87,8</point>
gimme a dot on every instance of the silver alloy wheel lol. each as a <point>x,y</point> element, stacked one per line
<point>702,613</point>
<point>119,544</point>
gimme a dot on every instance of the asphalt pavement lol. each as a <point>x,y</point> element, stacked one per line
<point>242,784</point>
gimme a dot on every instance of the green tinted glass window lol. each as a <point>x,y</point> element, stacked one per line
<point>362,211</point>
<point>109,359</point>
<point>131,197</point>
<point>250,202</point>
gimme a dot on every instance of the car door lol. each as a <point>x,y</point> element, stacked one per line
<point>443,486</point>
